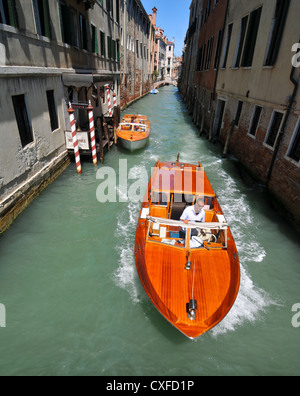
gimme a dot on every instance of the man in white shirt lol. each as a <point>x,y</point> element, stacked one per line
<point>193,213</point>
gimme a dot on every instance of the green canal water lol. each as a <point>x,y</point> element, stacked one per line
<point>74,302</point>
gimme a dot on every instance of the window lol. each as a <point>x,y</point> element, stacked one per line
<point>108,47</point>
<point>23,120</point>
<point>238,112</point>
<point>8,13</point>
<point>69,25</point>
<point>94,40</point>
<point>118,11</point>
<point>277,28</point>
<point>199,59</point>
<point>227,45</point>
<point>207,11</point>
<point>294,152</point>
<point>218,50</point>
<point>209,53</point>
<point>118,50</point>
<point>102,43</point>
<point>42,17</point>
<point>241,41</point>
<point>83,32</point>
<point>274,128</point>
<point>255,120</point>
<point>52,110</point>
<point>108,5</point>
<point>113,49</point>
<point>251,37</point>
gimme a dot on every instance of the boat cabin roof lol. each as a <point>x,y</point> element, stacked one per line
<point>181,179</point>
<point>136,117</point>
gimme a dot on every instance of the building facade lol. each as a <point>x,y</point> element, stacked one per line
<point>152,43</point>
<point>135,50</point>
<point>51,53</point>
<point>254,110</point>
<point>169,67</point>
<point>202,55</point>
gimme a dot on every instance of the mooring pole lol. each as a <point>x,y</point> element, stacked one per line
<point>75,141</point>
<point>92,132</point>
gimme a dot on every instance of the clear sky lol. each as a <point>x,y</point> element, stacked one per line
<point>172,16</point>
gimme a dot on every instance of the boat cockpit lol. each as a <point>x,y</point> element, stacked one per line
<point>133,127</point>
<point>165,226</point>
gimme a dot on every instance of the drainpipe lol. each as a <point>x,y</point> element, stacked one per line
<point>281,133</point>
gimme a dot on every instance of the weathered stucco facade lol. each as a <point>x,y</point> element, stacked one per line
<point>254,110</point>
<point>50,53</point>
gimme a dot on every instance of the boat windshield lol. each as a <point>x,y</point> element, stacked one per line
<point>191,236</point>
<point>133,127</point>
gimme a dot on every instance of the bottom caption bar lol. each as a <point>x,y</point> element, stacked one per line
<point>137,385</point>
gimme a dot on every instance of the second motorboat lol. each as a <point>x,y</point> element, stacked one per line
<point>134,131</point>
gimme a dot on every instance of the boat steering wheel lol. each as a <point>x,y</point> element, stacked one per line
<point>207,236</point>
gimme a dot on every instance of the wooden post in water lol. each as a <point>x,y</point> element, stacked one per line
<point>106,133</point>
<point>115,115</point>
<point>107,87</point>
<point>100,135</point>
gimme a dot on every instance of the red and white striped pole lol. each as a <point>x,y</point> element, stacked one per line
<point>75,141</point>
<point>92,132</point>
<point>108,100</point>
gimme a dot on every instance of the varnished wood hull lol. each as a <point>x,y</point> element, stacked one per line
<point>213,280</point>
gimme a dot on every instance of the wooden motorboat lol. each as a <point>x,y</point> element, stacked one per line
<point>134,131</point>
<point>193,281</point>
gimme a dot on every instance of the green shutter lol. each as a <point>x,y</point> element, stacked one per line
<point>12,11</point>
<point>46,14</point>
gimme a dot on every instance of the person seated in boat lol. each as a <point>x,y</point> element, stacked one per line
<point>134,121</point>
<point>193,213</point>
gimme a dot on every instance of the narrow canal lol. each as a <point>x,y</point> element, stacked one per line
<point>74,303</point>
